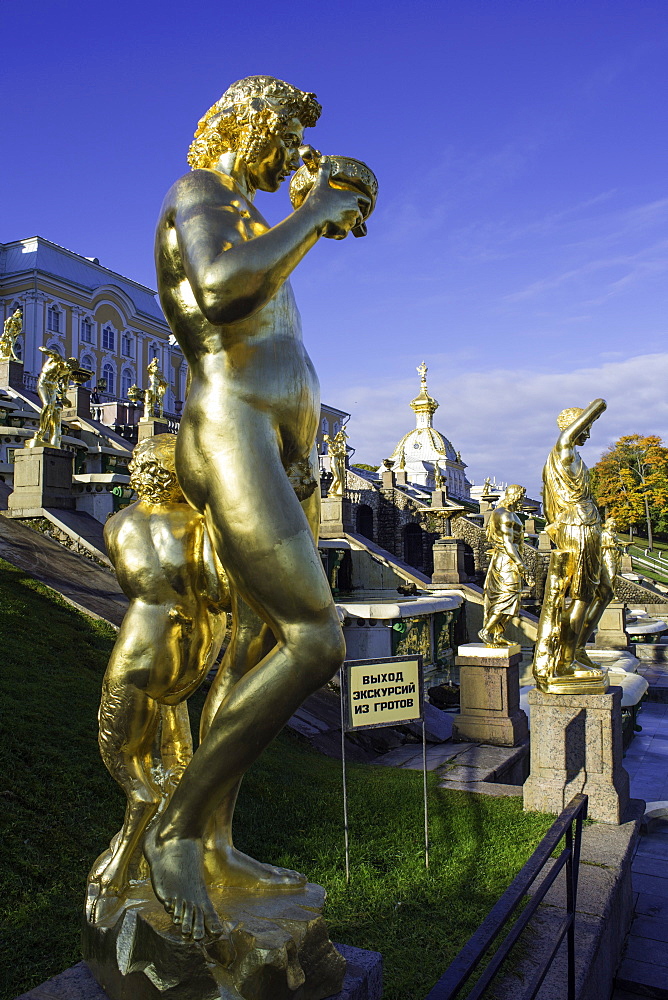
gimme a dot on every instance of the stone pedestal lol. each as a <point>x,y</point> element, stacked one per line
<point>336,517</point>
<point>611,633</point>
<point>489,696</point>
<point>79,396</point>
<point>449,564</point>
<point>151,427</point>
<point>11,374</point>
<point>42,478</point>
<point>627,563</point>
<point>576,746</point>
<point>544,542</point>
<point>275,946</point>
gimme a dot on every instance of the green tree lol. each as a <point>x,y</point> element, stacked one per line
<point>363,465</point>
<point>631,480</point>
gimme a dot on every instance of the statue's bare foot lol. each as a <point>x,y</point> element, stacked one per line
<point>230,868</point>
<point>489,638</point>
<point>177,875</point>
<point>582,659</point>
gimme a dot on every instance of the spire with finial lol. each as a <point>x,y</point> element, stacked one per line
<point>423,406</point>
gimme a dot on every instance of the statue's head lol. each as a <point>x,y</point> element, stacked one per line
<point>249,117</point>
<point>610,524</point>
<point>566,417</point>
<point>513,495</point>
<point>152,470</point>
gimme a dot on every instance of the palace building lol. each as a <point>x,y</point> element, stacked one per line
<point>74,305</point>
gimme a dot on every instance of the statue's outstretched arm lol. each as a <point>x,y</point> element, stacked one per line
<point>234,283</point>
<point>582,423</point>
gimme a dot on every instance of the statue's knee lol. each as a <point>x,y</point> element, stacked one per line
<point>328,654</point>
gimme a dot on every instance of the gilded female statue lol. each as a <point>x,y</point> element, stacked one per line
<point>506,571</point>
<point>575,593</point>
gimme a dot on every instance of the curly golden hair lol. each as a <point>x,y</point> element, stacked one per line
<point>566,417</point>
<point>152,470</point>
<point>247,114</point>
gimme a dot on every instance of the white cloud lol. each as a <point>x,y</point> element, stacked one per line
<point>503,421</point>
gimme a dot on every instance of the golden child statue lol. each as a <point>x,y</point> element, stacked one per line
<point>52,384</point>
<point>576,592</point>
<point>251,415</point>
<point>506,571</point>
<point>11,332</point>
<point>168,641</point>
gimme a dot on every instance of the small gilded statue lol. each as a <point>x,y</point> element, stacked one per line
<point>154,395</point>
<point>577,589</point>
<point>337,450</point>
<point>612,551</point>
<point>52,385</point>
<point>506,571</point>
<point>168,641</point>
<point>10,334</point>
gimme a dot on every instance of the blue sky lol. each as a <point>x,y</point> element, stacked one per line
<point>520,243</point>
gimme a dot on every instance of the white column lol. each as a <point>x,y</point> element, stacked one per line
<point>76,314</point>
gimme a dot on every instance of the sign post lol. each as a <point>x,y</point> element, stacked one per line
<point>377,693</point>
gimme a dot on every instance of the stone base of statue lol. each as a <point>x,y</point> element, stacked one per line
<point>275,947</point>
<point>79,397</point>
<point>150,426</point>
<point>336,517</point>
<point>11,374</point>
<point>576,746</point>
<point>611,632</point>
<point>42,478</point>
<point>489,695</point>
<point>448,562</point>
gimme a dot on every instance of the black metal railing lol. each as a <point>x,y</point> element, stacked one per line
<point>470,957</point>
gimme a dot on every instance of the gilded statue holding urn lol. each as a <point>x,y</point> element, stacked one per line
<point>52,384</point>
<point>247,465</point>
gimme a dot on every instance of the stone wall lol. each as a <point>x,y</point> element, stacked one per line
<point>392,511</point>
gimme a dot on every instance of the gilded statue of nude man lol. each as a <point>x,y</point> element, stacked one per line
<point>168,641</point>
<point>251,415</point>
<point>52,384</point>
<point>506,571</point>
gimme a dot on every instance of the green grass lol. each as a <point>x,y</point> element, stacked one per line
<point>60,808</point>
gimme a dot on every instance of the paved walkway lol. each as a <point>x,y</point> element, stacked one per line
<point>644,968</point>
<point>81,582</point>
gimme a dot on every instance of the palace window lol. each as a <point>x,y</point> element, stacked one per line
<point>126,345</point>
<point>18,348</point>
<point>153,351</point>
<point>88,363</point>
<point>86,331</point>
<point>110,375</point>
<point>53,319</point>
<point>108,339</point>
<point>127,379</point>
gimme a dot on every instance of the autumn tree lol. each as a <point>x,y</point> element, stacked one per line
<point>631,480</point>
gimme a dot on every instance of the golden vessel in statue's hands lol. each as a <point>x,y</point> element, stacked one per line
<point>342,172</point>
